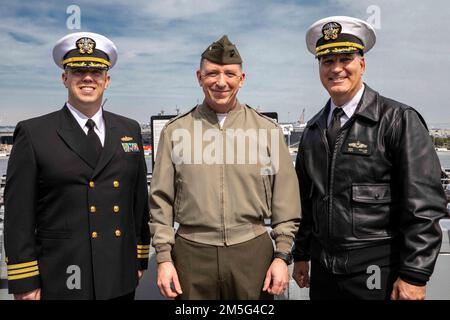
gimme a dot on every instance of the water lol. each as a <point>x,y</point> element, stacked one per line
<point>444,157</point>
<point>3,165</point>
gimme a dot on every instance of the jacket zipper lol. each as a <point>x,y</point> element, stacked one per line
<point>331,184</point>
<point>331,180</point>
<point>328,185</point>
<point>222,192</point>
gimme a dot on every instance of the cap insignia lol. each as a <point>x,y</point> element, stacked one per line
<point>85,45</point>
<point>331,30</point>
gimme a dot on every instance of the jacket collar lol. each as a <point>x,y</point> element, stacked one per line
<point>70,131</point>
<point>368,107</point>
<point>210,114</point>
<point>112,141</point>
<point>320,119</point>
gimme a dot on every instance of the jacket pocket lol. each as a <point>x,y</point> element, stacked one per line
<point>53,234</point>
<point>371,207</point>
<point>268,191</point>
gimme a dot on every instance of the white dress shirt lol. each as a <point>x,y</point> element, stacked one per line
<point>221,118</point>
<point>97,118</point>
<point>348,108</point>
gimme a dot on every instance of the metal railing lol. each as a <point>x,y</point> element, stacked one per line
<point>445,184</point>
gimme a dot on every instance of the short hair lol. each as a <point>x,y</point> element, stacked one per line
<point>201,63</point>
<point>359,54</point>
<point>67,68</point>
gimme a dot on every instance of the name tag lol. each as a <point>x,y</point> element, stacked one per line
<point>130,147</point>
<point>357,147</point>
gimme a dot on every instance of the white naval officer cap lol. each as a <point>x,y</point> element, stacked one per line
<point>85,50</point>
<point>340,34</point>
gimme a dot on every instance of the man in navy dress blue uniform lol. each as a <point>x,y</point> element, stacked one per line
<point>76,212</point>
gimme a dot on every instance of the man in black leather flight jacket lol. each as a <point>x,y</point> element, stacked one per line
<point>370,204</point>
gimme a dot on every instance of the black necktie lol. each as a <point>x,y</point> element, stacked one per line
<point>93,139</point>
<point>334,127</point>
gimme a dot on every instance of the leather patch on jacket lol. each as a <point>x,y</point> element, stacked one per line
<point>356,147</point>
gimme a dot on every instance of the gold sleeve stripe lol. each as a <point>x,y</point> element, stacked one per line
<point>22,265</point>
<point>12,272</point>
<point>142,256</point>
<point>24,275</point>
<point>142,246</point>
<point>144,251</point>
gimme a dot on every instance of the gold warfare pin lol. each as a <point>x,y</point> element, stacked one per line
<point>126,139</point>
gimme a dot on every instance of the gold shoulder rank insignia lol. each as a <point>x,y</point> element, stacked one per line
<point>126,138</point>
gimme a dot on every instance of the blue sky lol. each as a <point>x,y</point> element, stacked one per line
<point>160,43</point>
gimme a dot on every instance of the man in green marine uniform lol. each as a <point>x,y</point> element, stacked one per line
<point>220,199</point>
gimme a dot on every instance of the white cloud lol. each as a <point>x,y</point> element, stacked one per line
<point>184,9</point>
<point>160,43</point>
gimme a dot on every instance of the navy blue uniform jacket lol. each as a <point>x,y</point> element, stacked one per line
<point>75,228</point>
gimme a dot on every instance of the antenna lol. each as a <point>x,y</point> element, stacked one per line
<point>301,120</point>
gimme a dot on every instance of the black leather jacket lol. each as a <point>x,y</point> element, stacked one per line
<point>378,198</point>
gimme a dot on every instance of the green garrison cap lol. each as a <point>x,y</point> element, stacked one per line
<point>222,52</point>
